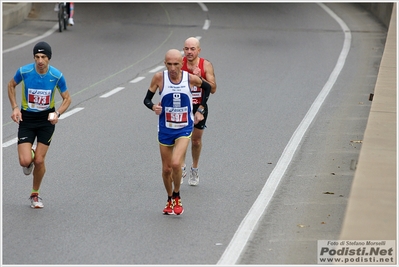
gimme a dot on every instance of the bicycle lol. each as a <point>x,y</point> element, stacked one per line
<point>62,16</point>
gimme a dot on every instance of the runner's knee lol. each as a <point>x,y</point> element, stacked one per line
<point>166,170</point>
<point>196,142</point>
<point>25,161</point>
<point>38,160</point>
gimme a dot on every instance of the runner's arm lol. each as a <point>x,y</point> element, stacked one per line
<point>206,87</point>
<point>66,101</point>
<point>16,112</point>
<point>148,99</point>
<point>156,82</point>
<point>210,75</point>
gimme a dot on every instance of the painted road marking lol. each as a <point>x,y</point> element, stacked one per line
<point>11,142</point>
<point>203,6</point>
<point>55,27</point>
<point>236,246</point>
<point>114,91</point>
<point>207,24</point>
<point>71,112</point>
<point>156,69</point>
<point>137,80</point>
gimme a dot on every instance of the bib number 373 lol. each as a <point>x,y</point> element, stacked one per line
<point>39,99</point>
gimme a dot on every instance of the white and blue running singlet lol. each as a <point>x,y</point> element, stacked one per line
<point>176,100</point>
<point>38,90</point>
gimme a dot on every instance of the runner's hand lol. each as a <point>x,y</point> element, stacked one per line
<point>53,117</point>
<point>198,117</point>
<point>16,115</point>
<point>157,108</point>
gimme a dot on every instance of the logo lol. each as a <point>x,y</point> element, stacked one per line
<point>176,100</point>
<point>42,92</point>
<point>52,80</point>
<point>356,252</point>
<point>40,50</point>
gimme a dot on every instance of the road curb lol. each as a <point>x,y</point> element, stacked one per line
<point>372,205</point>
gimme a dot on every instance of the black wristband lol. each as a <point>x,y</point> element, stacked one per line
<point>147,100</point>
<point>206,87</point>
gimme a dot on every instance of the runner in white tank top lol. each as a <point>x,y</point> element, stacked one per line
<point>175,121</point>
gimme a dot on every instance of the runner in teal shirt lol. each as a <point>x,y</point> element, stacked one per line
<point>37,114</point>
<point>38,89</point>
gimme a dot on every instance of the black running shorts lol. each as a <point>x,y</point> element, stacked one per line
<point>35,125</point>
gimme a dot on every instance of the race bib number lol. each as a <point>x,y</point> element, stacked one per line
<point>176,118</point>
<point>197,95</point>
<point>39,99</point>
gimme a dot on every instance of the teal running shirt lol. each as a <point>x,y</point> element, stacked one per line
<point>38,89</point>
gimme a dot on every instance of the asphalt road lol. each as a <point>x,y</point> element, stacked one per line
<point>103,192</point>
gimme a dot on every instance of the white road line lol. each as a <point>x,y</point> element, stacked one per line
<point>236,246</point>
<point>207,24</point>
<point>203,6</point>
<point>11,142</point>
<point>65,115</point>
<point>137,80</point>
<point>156,69</point>
<point>71,112</point>
<point>32,40</point>
<point>114,91</point>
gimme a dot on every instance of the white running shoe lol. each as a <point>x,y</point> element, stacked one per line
<point>194,177</point>
<point>183,173</point>
<point>70,22</point>
<point>36,202</point>
<point>28,170</point>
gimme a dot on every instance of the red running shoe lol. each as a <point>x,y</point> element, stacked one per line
<point>177,206</point>
<point>36,201</point>
<point>168,210</point>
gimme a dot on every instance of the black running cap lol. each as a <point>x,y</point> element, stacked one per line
<point>42,47</point>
